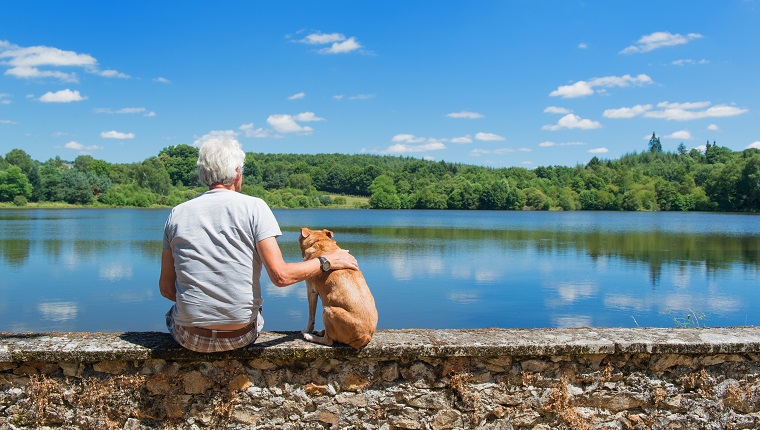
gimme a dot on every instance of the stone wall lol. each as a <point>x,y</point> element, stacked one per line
<point>411,379</point>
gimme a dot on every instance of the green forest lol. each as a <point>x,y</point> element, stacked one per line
<point>717,179</point>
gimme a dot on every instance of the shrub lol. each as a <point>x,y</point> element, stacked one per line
<point>20,201</point>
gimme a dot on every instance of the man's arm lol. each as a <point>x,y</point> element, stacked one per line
<point>166,282</point>
<point>283,274</point>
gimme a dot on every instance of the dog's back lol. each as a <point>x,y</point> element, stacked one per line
<point>347,299</point>
<point>349,315</point>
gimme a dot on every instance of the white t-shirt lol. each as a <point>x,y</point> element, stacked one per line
<point>213,241</point>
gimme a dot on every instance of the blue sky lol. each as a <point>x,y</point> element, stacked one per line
<point>496,83</point>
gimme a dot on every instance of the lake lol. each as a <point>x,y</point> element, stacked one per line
<point>97,269</point>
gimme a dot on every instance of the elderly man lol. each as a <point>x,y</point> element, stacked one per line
<point>213,249</point>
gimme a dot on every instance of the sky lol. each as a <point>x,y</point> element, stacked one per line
<point>492,83</point>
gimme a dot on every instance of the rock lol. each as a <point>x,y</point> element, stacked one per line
<point>113,367</point>
<point>447,419</point>
<point>419,374</point>
<point>173,411</point>
<point>406,423</point>
<point>434,400</point>
<point>354,382</point>
<point>526,418</point>
<point>72,369</point>
<point>240,383</point>
<point>245,417</point>
<point>195,383</point>
<point>262,364</point>
<point>315,390</point>
<point>534,366</point>
<point>158,385</point>
<point>389,373</point>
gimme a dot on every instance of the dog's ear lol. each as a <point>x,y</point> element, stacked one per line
<point>327,233</point>
<point>305,232</point>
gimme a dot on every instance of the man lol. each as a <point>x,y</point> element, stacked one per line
<point>213,249</point>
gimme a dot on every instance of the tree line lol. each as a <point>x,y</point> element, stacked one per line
<point>717,179</point>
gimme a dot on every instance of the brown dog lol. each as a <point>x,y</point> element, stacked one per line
<point>349,314</point>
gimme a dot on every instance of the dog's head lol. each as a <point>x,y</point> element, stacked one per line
<point>314,242</point>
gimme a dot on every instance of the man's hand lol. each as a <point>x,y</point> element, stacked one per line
<point>341,259</point>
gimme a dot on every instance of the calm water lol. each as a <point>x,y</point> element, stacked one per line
<point>97,270</point>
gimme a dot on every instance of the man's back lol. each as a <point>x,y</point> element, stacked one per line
<point>212,239</point>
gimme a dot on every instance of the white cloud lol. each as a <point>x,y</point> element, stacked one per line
<point>489,137</point>
<point>35,56</point>
<point>582,46</point>
<point>713,127</point>
<point>307,117</point>
<point>63,96</point>
<point>557,110</point>
<point>113,134</point>
<point>249,131</point>
<point>297,96</point>
<point>625,112</point>
<point>216,135</point>
<point>499,151</point>
<point>127,110</point>
<point>681,134</point>
<point>401,148</point>
<point>690,62</point>
<point>322,38</point>
<point>338,97</point>
<point>343,47</point>
<point>586,88</point>
<point>572,121</point>
<point>339,43</point>
<point>598,151</point>
<point>287,124</point>
<point>463,139</point>
<point>25,72</point>
<point>550,144</point>
<point>79,147</point>
<point>7,121</point>
<point>26,62</point>
<point>407,138</point>
<point>755,145</point>
<point>5,99</point>
<point>362,97</point>
<point>463,114</point>
<point>687,105</point>
<point>113,74</point>
<point>657,40</point>
<point>677,111</point>
<point>578,89</point>
<point>692,111</point>
<point>162,80</point>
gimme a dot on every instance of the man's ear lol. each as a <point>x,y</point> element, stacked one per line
<point>328,233</point>
<point>305,232</point>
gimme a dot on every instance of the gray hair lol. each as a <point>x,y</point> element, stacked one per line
<point>218,160</point>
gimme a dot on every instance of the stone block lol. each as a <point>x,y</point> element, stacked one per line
<point>196,383</point>
<point>112,367</point>
<point>240,383</point>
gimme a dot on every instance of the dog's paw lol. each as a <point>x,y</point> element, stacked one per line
<point>320,333</point>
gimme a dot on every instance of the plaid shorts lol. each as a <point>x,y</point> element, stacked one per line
<point>199,343</point>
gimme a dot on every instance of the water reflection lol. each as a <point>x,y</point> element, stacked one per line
<point>115,271</point>
<point>58,311</point>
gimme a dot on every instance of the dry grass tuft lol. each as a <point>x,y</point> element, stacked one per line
<point>558,402</point>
